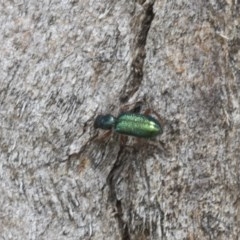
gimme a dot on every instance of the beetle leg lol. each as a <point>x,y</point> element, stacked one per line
<point>123,140</point>
<point>132,107</point>
<point>104,137</point>
<point>150,111</point>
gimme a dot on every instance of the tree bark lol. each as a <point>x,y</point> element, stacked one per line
<point>65,62</point>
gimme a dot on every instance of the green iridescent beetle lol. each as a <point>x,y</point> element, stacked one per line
<point>132,124</point>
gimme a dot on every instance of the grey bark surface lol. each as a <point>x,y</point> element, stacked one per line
<point>63,63</point>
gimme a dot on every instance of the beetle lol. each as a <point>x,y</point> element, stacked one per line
<point>130,123</point>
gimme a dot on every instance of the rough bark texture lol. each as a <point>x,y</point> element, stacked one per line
<point>64,62</point>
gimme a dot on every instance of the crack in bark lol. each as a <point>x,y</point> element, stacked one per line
<point>144,23</point>
<point>117,205</point>
<point>132,85</point>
